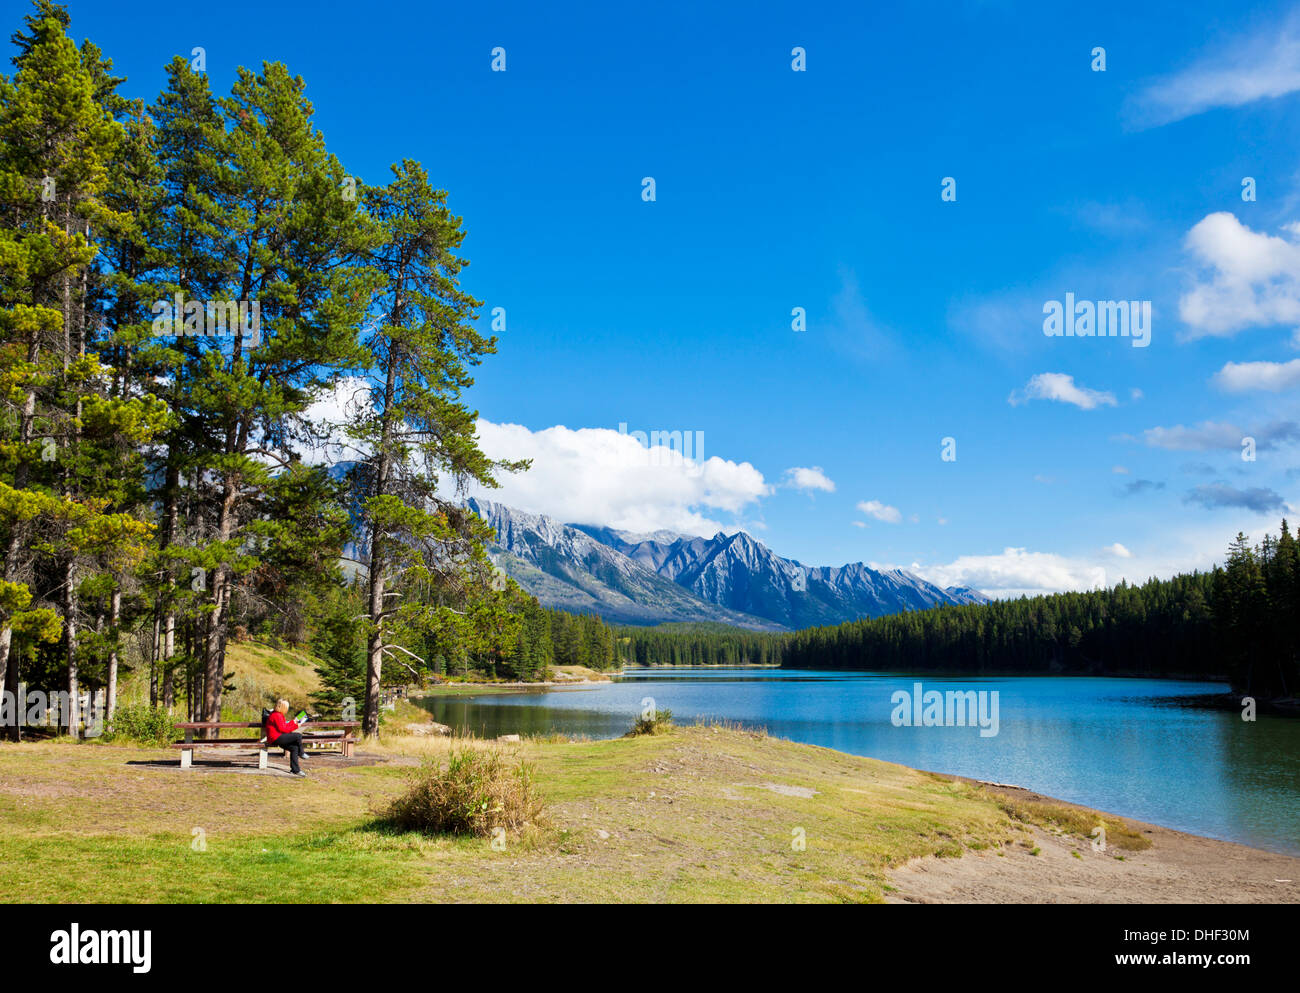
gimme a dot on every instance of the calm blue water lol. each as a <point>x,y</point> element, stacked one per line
<point>1134,747</point>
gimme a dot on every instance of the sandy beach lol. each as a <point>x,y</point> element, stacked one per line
<point>1177,868</point>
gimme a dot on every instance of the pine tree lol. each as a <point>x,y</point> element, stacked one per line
<point>58,140</point>
<point>186,138</point>
<point>260,226</point>
<point>341,647</point>
<point>414,431</point>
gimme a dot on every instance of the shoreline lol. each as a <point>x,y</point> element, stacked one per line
<point>501,688</point>
<point>1024,793</point>
<point>1179,867</point>
<point>1197,701</point>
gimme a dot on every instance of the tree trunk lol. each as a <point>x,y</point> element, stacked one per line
<point>15,731</point>
<point>378,563</point>
<point>70,636</point>
<point>110,694</point>
<point>214,675</point>
<point>9,574</point>
<point>153,662</point>
<point>6,639</point>
<point>166,627</point>
<point>168,666</point>
<point>375,644</point>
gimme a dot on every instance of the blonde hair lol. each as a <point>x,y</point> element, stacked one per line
<point>282,706</point>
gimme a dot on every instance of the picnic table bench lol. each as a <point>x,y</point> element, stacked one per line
<point>339,733</point>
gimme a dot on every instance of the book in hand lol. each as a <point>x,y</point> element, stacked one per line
<point>300,718</point>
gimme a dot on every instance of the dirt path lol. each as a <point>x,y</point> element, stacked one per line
<point>1178,868</point>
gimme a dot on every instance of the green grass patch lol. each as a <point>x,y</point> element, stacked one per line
<point>702,814</point>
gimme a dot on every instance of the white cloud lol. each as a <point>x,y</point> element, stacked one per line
<point>880,511</point>
<point>809,479</point>
<point>1242,377</point>
<point>1210,436</point>
<point>1259,67</point>
<point>1016,571</point>
<point>1120,470</point>
<point>329,414</point>
<point>1205,437</point>
<point>1060,387</point>
<point>1252,279</point>
<point>606,477</point>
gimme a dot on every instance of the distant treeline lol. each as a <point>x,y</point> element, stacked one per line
<point>554,637</point>
<point>698,644</point>
<point>546,638</point>
<point>1238,621</point>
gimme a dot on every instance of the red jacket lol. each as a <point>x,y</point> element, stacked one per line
<point>277,725</point>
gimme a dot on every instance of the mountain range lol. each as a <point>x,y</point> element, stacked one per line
<point>661,577</point>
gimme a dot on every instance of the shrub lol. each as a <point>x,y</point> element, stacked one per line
<point>473,792</point>
<point>143,723</point>
<point>658,722</point>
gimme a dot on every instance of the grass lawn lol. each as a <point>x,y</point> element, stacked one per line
<point>696,814</point>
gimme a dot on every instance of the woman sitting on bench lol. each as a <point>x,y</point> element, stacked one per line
<point>283,733</point>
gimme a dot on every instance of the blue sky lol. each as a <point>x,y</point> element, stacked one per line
<point>820,189</point>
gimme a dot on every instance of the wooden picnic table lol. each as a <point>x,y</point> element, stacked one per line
<point>334,732</point>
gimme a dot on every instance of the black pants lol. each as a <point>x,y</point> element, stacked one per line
<point>291,742</point>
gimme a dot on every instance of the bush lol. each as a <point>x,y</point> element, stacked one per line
<point>658,722</point>
<point>143,723</point>
<point>474,792</point>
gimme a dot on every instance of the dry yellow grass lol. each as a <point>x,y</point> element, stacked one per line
<point>475,790</point>
<point>283,672</point>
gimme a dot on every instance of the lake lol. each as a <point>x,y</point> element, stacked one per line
<point>1136,747</point>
